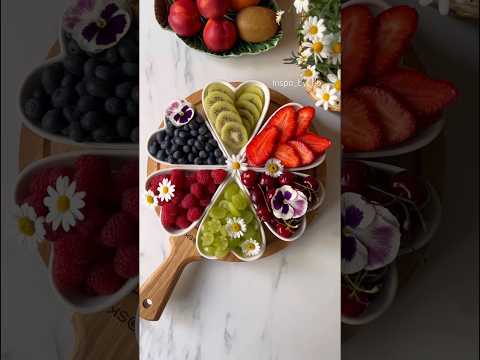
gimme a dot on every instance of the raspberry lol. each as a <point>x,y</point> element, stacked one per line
<point>178,178</point>
<point>204,203</point>
<point>218,176</point>
<point>95,218</point>
<point>118,230</point>
<point>130,202</point>
<point>93,176</point>
<point>203,177</point>
<point>68,275</point>
<point>103,279</point>
<point>194,214</point>
<point>168,214</point>
<point>129,173</point>
<point>75,248</point>
<point>199,191</point>
<point>178,197</point>
<point>125,261</point>
<point>182,222</point>
<point>189,201</point>
<point>47,177</point>
<point>35,200</point>
<point>212,188</point>
<point>155,181</point>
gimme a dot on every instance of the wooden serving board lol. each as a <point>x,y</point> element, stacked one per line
<point>156,290</point>
<point>110,334</point>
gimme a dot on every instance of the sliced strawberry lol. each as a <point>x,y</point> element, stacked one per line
<point>306,155</point>
<point>398,123</point>
<point>360,131</point>
<point>305,118</point>
<point>423,95</point>
<point>394,29</point>
<point>288,156</point>
<point>285,120</point>
<point>357,28</point>
<point>318,144</point>
<point>262,146</point>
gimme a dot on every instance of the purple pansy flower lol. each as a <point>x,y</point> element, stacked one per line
<point>288,203</point>
<point>370,235</point>
<point>97,26</point>
<point>180,112</point>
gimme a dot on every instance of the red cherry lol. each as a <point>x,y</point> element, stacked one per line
<point>271,194</point>
<point>353,306</point>
<point>264,214</point>
<point>283,230</point>
<point>409,186</point>
<point>311,183</point>
<point>273,222</point>
<point>267,181</point>
<point>249,178</point>
<point>354,177</point>
<point>286,178</point>
<point>257,197</point>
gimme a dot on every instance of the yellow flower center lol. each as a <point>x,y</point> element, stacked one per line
<point>338,85</point>
<point>26,226</point>
<point>165,189</point>
<point>101,23</point>
<point>236,227</point>
<point>63,203</point>
<point>235,165</point>
<point>250,246</point>
<point>308,73</point>
<point>150,199</point>
<point>313,30</point>
<point>272,168</point>
<point>326,96</point>
<point>336,48</point>
<point>317,47</point>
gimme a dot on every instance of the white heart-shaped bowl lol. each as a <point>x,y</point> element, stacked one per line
<point>262,231</point>
<point>32,81</point>
<point>320,159</point>
<point>76,301</point>
<point>381,303</point>
<point>423,137</point>
<point>266,105</point>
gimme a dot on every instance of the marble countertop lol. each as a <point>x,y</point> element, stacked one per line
<point>286,306</point>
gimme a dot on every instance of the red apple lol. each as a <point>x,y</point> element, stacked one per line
<point>184,18</point>
<point>219,35</point>
<point>213,8</point>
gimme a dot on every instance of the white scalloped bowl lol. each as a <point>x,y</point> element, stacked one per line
<point>76,301</point>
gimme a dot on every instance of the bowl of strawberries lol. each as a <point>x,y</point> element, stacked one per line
<point>389,106</point>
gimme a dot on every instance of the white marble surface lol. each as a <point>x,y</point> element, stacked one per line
<point>284,307</point>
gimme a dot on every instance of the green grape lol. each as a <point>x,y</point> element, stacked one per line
<point>207,238</point>
<point>218,212</point>
<point>208,250</point>
<point>233,210</point>
<point>248,216</point>
<point>239,201</point>
<point>250,233</point>
<point>231,190</point>
<point>221,243</point>
<point>221,253</point>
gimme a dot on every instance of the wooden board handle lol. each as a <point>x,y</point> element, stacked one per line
<point>156,290</point>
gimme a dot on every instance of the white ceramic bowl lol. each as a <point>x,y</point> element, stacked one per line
<point>32,81</point>
<point>423,137</point>
<point>381,303</point>
<point>76,301</point>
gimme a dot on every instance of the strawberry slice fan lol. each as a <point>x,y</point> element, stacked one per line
<point>219,180</point>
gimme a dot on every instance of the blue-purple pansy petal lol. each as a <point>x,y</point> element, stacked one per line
<point>354,255</point>
<point>354,200</point>
<point>90,31</point>
<point>109,10</point>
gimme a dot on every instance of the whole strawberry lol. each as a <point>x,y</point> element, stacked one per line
<point>125,261</point>
<point>103,279</point>
<point>118,230</point>
<point>130,202</point>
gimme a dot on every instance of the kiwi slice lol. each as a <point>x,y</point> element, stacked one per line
<point>214,97</point>
<point>222,88</point>
<point>247,117</point>
<point>254,89</point>
<point>247,105</point>
<point>226,117</point>
<point>253,98</point>
<point>234,135</point>
<point>218,108</point>
<point>248,126</point>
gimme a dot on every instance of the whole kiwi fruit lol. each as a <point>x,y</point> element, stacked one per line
<point>256,24</point>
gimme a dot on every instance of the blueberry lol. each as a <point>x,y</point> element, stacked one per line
<point>73,48</point>
<point>209,148</point>
<point>220,160</point>
<point>169,159</point>
<point>128,50</point>
<point>124,128</point>
<point>102,134</point>
<point>211,161</point>
<point>123,90</point>
<point>179,141</point>
<point>190,157</point>
<point>186,149</point>
<point>160,136</point>
<point>113,106</point>
<point>161,155</point>
<point>69,80</point>
<point>202,154</point>
<point>89,67</point>
<point>34,109</point>
<point>74,64</point>
<point>163,145</point>
<point>75,131</point>
<point>98,88</point>
<point>169,132</point>
<point>51,77</point>
<point>134,135</point>
<point>182,134</point>
<point>193,133</point>
<point>218,153</point>
<point>199,145</point>
<point>197,161</point>
<point>63,97</point>
<point>104,72</point>
<point>193,124</point>
<point>71,114</point>
<point>212,142</point>
<point>202,130</point>
<point>132,108</point>
<point>39,93</point>
<point>175,147</point>
<point>130,69</point>
<point>168,151</point>
<point>53,121</point>
<point>81,89</point>
<point>111,56</point>
<point>182,161</point>
<point>190,142</point>
<point>134,94</point>
<point>86,103</point>
<point>91,121</point>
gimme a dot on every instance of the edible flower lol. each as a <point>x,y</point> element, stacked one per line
<point>180,112</point>
<point>288,203</point>
<point>150,198</point>
<point>313,28</point>
<point>274,168</point>
<point>301,6</point>
<point>250,248</point>
<point>28,225</point>
<point>236,227</point>
<point>166,190</point>
<point>327,96</point>
<point>236,164</point>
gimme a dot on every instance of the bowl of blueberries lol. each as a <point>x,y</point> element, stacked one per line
<point>85,98</point>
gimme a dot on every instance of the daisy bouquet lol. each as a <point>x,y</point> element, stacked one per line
<point>319,52</point>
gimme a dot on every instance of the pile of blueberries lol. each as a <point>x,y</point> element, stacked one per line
<point>192,143</point>
<point>90,97</point>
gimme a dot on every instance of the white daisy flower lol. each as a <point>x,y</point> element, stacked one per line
<point>166,190</point>
<point>336,81</point>
<point>313,29</point>
<point>318,48</point>
<point>327,96</point>
<point>274,168</point>
<point>150,198</point>
<point>278,18</point>
<point>64,204</point>
<point>301,6</point>
<point>310,73</point>
<point>236,227</point>
<point>250,247</point>
<point>335,48</point>
<point>28,227</point>
<point>236,164</point>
